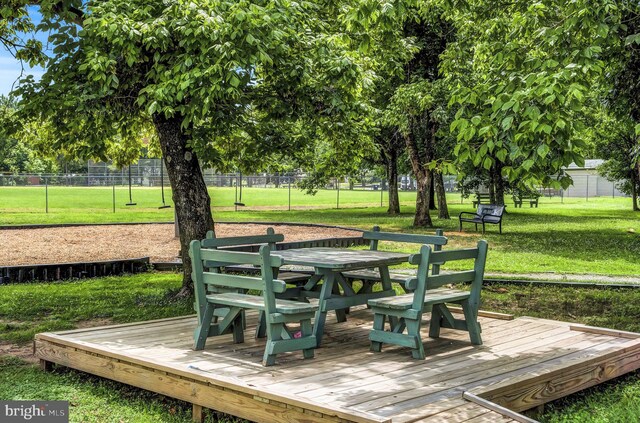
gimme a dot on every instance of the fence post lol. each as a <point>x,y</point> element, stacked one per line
<point>289,191</point>
<point>587,187</point>
<point>46,194</point>
<point>113,186</point>
<point>381,192</point>
<point>337,194</point>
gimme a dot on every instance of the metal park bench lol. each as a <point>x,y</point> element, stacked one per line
<point>486,213</point>
<point>278,312</point>
<point>404,312</point>
<point>371,276</point>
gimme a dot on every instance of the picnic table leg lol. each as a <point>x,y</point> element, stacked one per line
<point>321,314</point>
<point>341,314</point>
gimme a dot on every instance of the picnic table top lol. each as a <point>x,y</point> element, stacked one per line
<point>340,258</point>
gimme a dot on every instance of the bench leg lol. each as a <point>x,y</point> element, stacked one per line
<point>472,323</point>
<point>274,334</point>
<point>482,228</point>
<point>306,330</point>
<point>202,330</point>
<point>378,325</point>
<point>413,329</point>
<point>500,225</point>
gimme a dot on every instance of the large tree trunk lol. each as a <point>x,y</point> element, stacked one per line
<point>635,179</point>
<point>432,193</point>
<point>189,191</point>
<point>422,217</point>
<point>391,162</point>
<point>443,209</point>
<point>498,184</point>
<point>492,187</point>
<point>419,163</point>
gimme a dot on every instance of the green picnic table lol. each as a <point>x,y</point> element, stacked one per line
<point>329,264</point>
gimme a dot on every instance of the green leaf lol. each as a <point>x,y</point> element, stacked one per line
<point>487,163</point>
<point>507,122</point>
<point>543,150</point>
<point>528,164</point>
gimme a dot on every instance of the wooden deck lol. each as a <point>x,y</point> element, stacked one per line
<point>523,363</point>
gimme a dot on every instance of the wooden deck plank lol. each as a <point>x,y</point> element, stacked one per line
<point>452,372</point>
<point>520,367</point>
<point>345,381</point>
<point>385,367</point>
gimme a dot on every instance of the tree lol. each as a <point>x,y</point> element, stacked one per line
<point>524,69</point>
<point>198,72</point>
<point>620,141</point>
<point>416,108</point>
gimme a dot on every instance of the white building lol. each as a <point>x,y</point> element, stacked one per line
<point>588,183</point>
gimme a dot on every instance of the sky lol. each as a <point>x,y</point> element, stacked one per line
<point>10,68</point>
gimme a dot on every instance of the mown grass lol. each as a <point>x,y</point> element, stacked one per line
<point>28,309</point>
<point>570,237</point>
<point>93,399</point>
<point>44,307</point>
<point>27,205</point>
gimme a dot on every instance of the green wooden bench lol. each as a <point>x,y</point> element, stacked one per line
<point>405,311</point>
<point>371,276</point>
<point>278,312</point>
<point>482,198</point>
<point>518,200</point>
<point>270,238</point>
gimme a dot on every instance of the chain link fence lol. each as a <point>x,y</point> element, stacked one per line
<point>244,191</point>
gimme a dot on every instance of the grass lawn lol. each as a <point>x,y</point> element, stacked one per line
<point>31,308</point>
<point>570,237</point>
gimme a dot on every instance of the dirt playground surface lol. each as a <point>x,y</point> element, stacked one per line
<point>116,242</point>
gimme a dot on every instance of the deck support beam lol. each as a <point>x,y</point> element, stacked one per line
<point>197,413</point>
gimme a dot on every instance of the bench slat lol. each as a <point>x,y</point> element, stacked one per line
<point>433,296</point>
<point>448,255</point>
<point>237,257</point>
<point>239,281</point>
<point>409,238</point>
<point>255,302</point>
<point>241,240</point>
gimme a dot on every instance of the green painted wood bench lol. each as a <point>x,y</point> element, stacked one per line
<point>404,312</point>
<point>277,312</point>
<point>371,276</point>
<point>270,238</point>
<point>482,198</point>
<point>518,200</point>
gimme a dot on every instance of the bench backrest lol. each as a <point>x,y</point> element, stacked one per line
<point>437,240</point>
<point>425,281</point>
<point>211,242</point>
<point>203,279</point>
<point>490,209</point>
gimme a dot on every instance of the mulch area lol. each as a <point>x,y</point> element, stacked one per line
<point>117,242</point>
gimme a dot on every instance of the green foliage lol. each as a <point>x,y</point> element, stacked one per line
<point>228,70</point>
<point>523,71</point>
